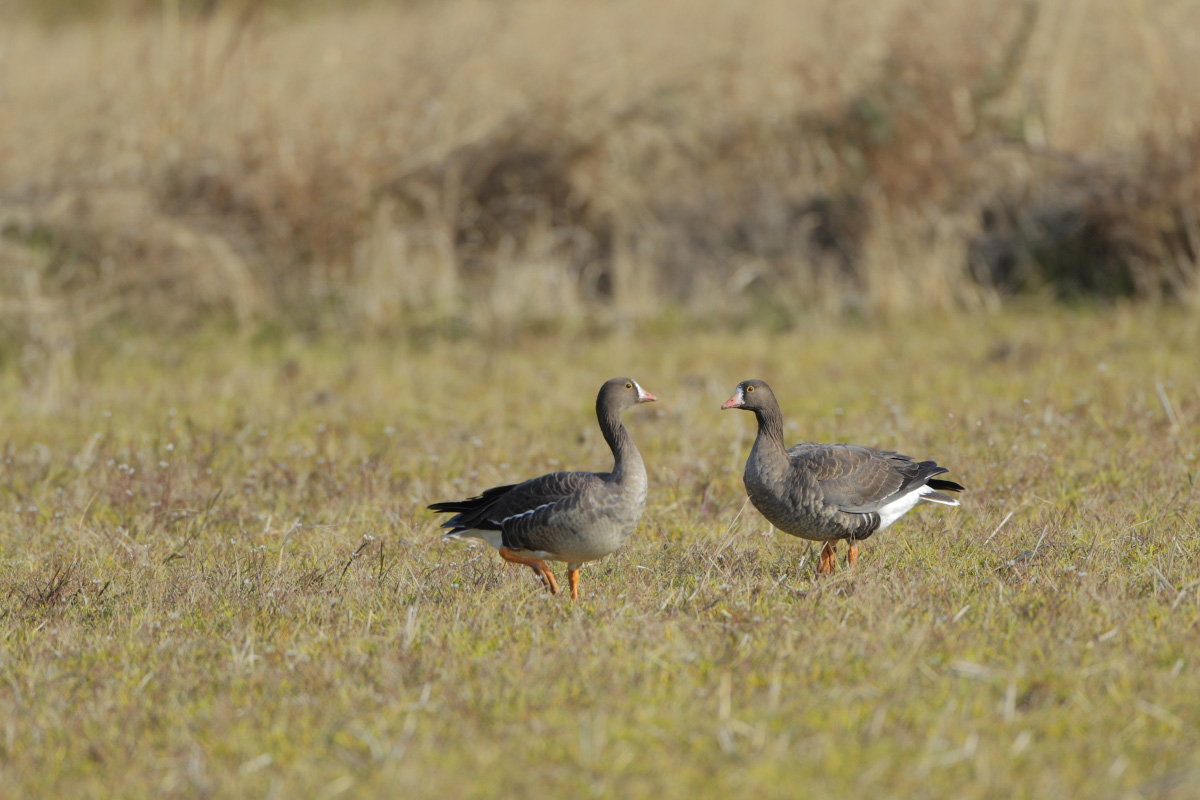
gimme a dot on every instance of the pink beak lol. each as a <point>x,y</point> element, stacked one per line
<point>644,396</point>
<point>733,402</point>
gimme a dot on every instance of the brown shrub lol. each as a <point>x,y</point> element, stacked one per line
<point>498,164</point>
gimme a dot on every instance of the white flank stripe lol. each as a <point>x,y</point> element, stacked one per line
<point>900,506</point>
<point>526,513</point>
<point>903,504</point>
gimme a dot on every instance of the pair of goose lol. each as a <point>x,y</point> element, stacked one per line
<point>820,492</point>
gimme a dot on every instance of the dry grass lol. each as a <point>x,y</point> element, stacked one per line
<point>482,165</point>
<point>219,579</point>
<point>216,570</point>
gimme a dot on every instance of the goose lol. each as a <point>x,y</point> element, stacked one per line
<point>827,492</point>
<point>574,517</point>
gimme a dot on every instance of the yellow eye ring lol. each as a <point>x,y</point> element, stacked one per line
<point>749,388</point>
<point>629,386</point>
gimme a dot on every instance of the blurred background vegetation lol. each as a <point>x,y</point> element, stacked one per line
<point>480,166</point>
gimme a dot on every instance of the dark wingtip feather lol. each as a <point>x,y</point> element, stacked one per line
<point>946,486</point>
<point>471,503</point>
<point>450,505</point>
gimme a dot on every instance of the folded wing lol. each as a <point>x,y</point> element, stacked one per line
<point>520,511</point>
<point>860,480</point>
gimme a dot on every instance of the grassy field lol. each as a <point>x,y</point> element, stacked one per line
<point>218,578</point>
<point>277,274</point>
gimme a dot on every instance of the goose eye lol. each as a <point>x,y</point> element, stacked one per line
<point>629,386</point>
<point>749,388</point>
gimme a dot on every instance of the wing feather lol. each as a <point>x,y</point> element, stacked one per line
<point>517,509</point>
<point>858,479</point>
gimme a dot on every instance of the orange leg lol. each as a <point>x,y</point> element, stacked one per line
<point>852,554</point>
<point>825,565</point>
<point>548,577</point>
<point>573,577</point>
<point>537,565</point>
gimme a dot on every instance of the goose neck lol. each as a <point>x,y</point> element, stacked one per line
<point>626,458</point>
<point>770,426</point>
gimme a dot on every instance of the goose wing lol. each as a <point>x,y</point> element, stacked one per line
<point>858,479</point>
<point>520,511</point>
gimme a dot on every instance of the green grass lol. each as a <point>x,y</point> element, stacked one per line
<point>184,613</point>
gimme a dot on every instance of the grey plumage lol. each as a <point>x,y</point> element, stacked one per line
<point>827,492</point>
<point>565,516</point>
